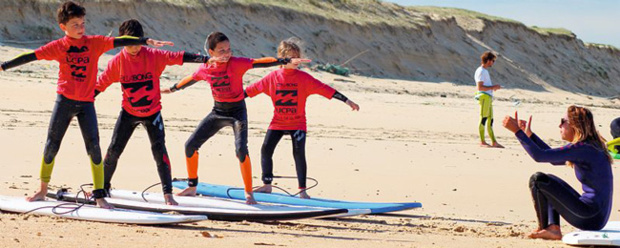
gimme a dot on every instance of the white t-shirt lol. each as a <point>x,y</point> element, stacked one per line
<point>482,75</point>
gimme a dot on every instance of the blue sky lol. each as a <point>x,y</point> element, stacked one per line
<point>595,21</point>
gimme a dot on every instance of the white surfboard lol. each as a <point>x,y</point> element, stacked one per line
<point>212,208</point>
<point>92,213</point>
<point>228,204</point>
<point>608,236</point>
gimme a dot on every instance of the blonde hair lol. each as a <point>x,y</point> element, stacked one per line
<point>290,48</point>
<point>581,120</point>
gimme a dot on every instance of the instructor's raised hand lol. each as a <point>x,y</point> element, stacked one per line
<point>511,124</point>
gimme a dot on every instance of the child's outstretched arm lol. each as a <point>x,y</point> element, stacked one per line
<point>346,100</point>
<point>132,41</point>
<point>271,61</point>
<point>184,83</point>
<point>19,60</point>
<point>195,58</point>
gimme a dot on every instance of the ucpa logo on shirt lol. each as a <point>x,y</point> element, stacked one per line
<point>77,62</point>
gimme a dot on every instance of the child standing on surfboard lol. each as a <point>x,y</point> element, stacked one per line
<point>289,88</point>
<point>77,55</point>
<point>225,76</point>
<point>138,69</point>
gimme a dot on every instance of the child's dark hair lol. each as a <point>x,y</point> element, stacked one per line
<point>69,10</point>
<point>615,128</point>
<point>131,27</point>
<point>213,39</point>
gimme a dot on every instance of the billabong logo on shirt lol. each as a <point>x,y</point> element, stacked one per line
<point>286,98</point>
<point>74,49</point>
<point>136,77</point>
<point>139,90</point>
<point>220,81</point>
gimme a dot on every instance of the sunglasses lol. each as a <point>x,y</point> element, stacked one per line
<point>562,121</point>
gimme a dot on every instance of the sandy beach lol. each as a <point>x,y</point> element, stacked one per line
<point>411,141</point>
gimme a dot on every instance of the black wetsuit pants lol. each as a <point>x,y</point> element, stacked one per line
<point>125,125</point>
<point>298,138</point>
<point>64,111</point>
<point>224,114</point>
<point>554,197</point>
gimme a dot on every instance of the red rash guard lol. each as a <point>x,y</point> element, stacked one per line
<point>226,79</point>
<point>288,89</point>
<point>139,77</point>
<point>78,64</point>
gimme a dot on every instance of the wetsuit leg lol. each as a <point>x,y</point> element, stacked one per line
<point>87,119</point>
<point>124,128</point>
<point>240,129</point>
<point>266,153</point>
<point>205,130</point>
<point>298,139</point>
<point>484,102</point>
<point>554,197</point>
<point>490,122</point>
<point>155,127</point>
<point>64,111</point>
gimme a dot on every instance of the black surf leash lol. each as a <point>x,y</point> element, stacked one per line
<point>316,182</point>
<point>72,207</point>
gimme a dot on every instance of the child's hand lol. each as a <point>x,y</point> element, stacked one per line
<point>353,105</point>
<point>497,87</point>
<point>157,43</point>
<point>166,91</point>
<point>297,61</point>
<point>217,60</point>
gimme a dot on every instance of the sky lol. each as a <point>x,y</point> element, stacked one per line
<point>593,21</point>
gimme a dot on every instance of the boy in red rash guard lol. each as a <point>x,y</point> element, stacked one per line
<point>288,89</point>
<point>138,69</point>
<point>77,55</point>
<point>225,76</point>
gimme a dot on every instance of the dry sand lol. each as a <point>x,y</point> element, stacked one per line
<point>408,143</point>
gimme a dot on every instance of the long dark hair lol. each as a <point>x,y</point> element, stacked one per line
<point>581,120</point>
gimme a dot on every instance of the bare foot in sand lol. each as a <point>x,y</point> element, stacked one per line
<point>484,144</point>
<point>264,189</point>
<point>497,145</point>
<point>170,200</point>
<point>552,232</point>
<point>102,203</point>
<point>189,191</point>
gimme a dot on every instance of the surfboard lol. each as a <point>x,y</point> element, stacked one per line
<point>212,202</point>
<point>92,213</point>
<point>213,213</point>
<point>223,191</point>
<point>608,236</point>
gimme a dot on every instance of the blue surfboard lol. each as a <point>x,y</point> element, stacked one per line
<point>224,191</point>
